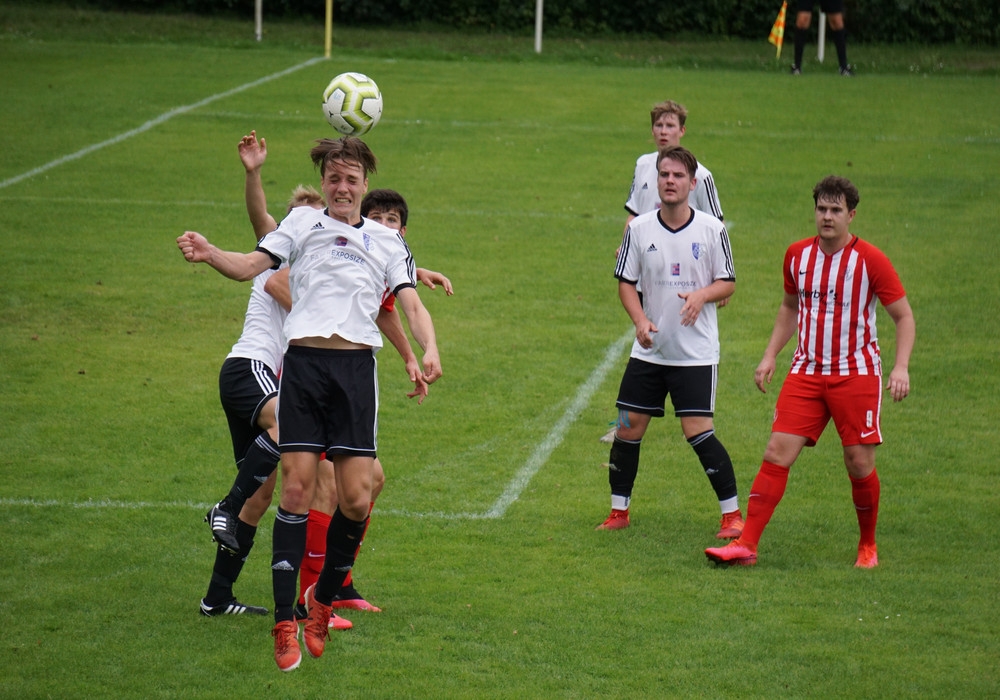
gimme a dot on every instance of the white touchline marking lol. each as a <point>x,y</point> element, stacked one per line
<point>154,122</point>
<point>101,503</point>
<point>513,491</point>
<point>544,449</point>
<point>558,432</point>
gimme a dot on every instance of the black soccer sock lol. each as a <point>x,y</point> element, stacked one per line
<point>288,547</point>
<point>342,540</point>
<point>716,463</point>
<point>840,41</point>
<point>260,460</point>
<point>623,465</point>
<point>800,44</point>
<point>229,565</point>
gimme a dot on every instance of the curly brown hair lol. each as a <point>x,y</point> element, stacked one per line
<point>832,187</point>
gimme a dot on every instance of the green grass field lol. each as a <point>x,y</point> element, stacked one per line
<point>118,137</point>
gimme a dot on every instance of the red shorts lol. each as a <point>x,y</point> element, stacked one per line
<point>807,402</point>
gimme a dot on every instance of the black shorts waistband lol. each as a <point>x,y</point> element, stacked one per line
<point>328,352</point>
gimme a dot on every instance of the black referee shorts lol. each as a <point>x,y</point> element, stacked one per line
<point>830,7</point>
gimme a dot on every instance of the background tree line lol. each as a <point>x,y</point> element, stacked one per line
<point>969,22</point>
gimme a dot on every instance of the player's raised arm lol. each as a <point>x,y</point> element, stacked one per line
<point>253,153</point>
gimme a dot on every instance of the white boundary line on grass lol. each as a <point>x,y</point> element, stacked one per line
<point>511,493</point>
<point>166,116</point>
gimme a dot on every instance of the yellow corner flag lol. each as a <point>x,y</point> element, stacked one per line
<point>777,36</point>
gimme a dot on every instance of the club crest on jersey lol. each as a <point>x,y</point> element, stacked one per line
<point>696,250</point>
<point>368,242</point>
<point>675,269</point>
<point>340,241</point>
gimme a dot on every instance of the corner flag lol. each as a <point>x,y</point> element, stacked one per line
<point>777,36</point>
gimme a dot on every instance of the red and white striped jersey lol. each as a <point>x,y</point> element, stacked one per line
<point>837,298</point>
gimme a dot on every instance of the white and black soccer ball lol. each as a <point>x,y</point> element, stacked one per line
<point>352,103</point>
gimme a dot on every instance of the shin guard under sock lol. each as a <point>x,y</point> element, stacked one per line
<point>312,562</point>
<point>716,463</point>
<point>623,465</point>
<point>865,493</point>
<point>765,494</point>
<point>347,581</point>
<point>288,545</point>
<point>260,460</point>
<point>342,540</point>
<point>229,565</point>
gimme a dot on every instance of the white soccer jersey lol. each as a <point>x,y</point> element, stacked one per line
<point>338,274</point>
<point>668,262</point>
<point>645,197</point>
<point>262,337</point>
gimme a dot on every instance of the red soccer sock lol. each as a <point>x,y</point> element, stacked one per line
<point>765,494</point>
<point>312,562</point>
<point>865,493</point>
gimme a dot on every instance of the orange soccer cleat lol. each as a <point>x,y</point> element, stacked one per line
<point>867,556</point>
<point>316,630</point>
<point>287,653</point>
<point>731,526</point>
<point>618,520</point>
<point>735,553</point>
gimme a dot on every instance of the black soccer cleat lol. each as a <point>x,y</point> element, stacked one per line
<point>223,524</point>
<point>233,607</point>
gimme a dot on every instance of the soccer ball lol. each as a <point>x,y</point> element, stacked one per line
<point>352,103</point>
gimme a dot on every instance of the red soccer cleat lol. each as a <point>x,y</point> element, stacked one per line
<point>735,553</point>
<point>618,520</point>
<point>867,556</point>
<point>731,526</point>
<point>316,630</point>
<point>338,623</point>
<point>348,598</point>
<point>287,653</point>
